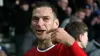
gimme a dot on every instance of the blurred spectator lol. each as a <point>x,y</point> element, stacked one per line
<point>94,45</point>
<point>95,24</point>
<point>68,11</point>
<point>61,8</point>
<point>76,4</point>
<point>95,53</point>
<point>95,6</point>
<point>90,20</point>
<point>78,16</point>
<point>3,51</point>
<point>28,42</point>
<point>87,10</point>
<point>89,3</point>
<point>63,4</point>
<point>87,20</point>
<point>21,22</point>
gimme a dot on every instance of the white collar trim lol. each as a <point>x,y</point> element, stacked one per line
<point>45,49</point>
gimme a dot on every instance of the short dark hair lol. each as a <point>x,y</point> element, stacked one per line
<point>46,4</point>
<point>75,28</point>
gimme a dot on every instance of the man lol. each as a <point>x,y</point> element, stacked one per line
<point>79,31</point>
<point>78,16</point>
<point>45,26</point>
<point>21,18</point>
<point>62,6</point>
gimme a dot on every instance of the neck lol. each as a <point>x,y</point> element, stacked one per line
<point>44,44</point>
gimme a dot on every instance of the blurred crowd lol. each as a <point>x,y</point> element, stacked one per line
<point>15,19</point>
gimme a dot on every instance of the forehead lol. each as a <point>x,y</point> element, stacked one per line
<point>81,12</point>
<point>42,11</point>
<point>66,1</point>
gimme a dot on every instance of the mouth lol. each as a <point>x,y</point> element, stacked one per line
<point>40,32</point>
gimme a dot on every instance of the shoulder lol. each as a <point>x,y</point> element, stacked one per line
<point>59,45</point>
<point>73,46</point>
<point>30,52</point>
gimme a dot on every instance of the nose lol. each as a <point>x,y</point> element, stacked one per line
<point>40,22</point>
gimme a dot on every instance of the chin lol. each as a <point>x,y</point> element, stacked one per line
<point>40,37</point>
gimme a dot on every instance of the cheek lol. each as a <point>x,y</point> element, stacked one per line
<point>49,25</point>
<point>33,24</point>
<point>86,37</point>
<point>85,40</point>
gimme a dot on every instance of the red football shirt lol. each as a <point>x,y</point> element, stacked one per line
<point>57,50</point>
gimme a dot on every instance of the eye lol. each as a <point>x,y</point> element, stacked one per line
<point>46,18</point>
<point>34,18</point>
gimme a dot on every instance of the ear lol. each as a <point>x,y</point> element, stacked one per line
<point>80,37</point>
<point>56,23</point>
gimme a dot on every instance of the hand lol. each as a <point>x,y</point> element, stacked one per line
<point>94,21</point>
<point>61,36</point>
<point>2,53</point>
<point>98,21</point>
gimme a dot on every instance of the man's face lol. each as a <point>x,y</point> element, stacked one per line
<point>81,15</point>
<point>25,7</point>
<point>43,20</point>
<point>63,4</point>
<point>87,11</point>
<point>84,40</point>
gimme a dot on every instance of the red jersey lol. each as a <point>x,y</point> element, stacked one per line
<point>57,50</point>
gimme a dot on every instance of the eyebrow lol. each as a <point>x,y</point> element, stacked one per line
<point>39,17</point>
